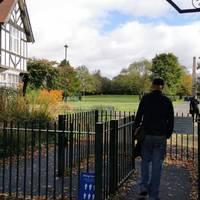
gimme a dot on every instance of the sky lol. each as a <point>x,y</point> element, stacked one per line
<point>109,35</point>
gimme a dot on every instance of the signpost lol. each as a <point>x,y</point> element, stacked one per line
<point>195,4</point>
<point>183,125</point>
<point>87,186</point>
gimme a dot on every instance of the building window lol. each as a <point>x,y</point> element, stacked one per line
<point>15,40</point>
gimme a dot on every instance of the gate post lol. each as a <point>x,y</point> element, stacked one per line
<point>113,162</point>
<point>98,160</point>
<point>198,135</point>
<point>61,144</point>
<point>133,142</point>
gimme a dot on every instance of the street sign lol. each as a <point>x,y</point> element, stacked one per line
<point>183,125</point>
<point>87,186</point>
<point>194,3</point>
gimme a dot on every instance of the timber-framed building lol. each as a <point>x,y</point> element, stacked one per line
<point>15,34</point>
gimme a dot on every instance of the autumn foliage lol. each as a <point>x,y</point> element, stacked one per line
<point>53,96</point>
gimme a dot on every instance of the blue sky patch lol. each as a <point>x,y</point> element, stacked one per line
<point>115,19</point>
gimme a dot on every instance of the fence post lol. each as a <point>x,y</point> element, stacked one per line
<point>198,135</point>
<point>113,162</point>
<point>61,145</point>
<point>133,143</point>
<point>96,116</point>
<point>98,160</point>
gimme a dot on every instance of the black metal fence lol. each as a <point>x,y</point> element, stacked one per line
<point>46,160</point>
<point>114,155</point>
<point>183,145</point>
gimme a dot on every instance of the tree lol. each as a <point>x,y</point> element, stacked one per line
<point>67,79</point>
<point>185,86</point>
<point>133,80</point>
<point>87,81</point>
<point>98,81</point>
<point>41,73</point>
<point>167,66</point>
<point>141,70</point>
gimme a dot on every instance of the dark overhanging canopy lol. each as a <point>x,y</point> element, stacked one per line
<point>182,11</point>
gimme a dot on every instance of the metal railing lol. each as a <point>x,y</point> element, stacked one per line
<point>46,160</point>
<point>114,160</point>
<point>29,160</point>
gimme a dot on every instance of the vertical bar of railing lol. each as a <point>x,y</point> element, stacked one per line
<point>39,161</point>
<point>187,146</point>
<point>96,113</point>
<point>61,145</point>
<point>171,147</point>
<point>113,162</point>
<point>108,156</point>
<point>70,160</point>
<point>68,118</point>
<point>84,118</point>
<point>181,146</point>
<point>55,143</point>
<point>193,139</point>
<point>101,116</point>
<point>47,159</point>
<point>17,173</point>
<point>25,149</point>
<point>32,158</point>
<point>104,161</point>
<point>4,154</point>
<point>98,160</point>
<point>176,146</point>
<point>88,147</point>
<point>79,152</point>
<point>133,143</point>
<point>124,147</point>
<point>198,135</point>
<point>74,138</point>
<point>10,159</point>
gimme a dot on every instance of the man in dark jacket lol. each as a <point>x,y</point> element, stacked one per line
<point>194,109</point>
<point>156,114</point>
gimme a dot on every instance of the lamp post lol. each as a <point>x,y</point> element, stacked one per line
<point>194,77</point>
<point>66,46</point>
<point>198,67</point>
<point>65,89</point>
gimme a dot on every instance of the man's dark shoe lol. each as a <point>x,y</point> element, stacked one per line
<point>143,193</point>
<point>141,198</point>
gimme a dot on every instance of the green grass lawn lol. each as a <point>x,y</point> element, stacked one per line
<point>119,102</point>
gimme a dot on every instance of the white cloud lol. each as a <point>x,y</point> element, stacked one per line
<point>78,23</point>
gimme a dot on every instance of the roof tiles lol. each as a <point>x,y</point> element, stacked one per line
<point>5,7</point>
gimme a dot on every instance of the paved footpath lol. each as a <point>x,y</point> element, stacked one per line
<point>175,181</point>
<point>175,184</point>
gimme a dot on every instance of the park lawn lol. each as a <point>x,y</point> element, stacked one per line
<point>118,102</point>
